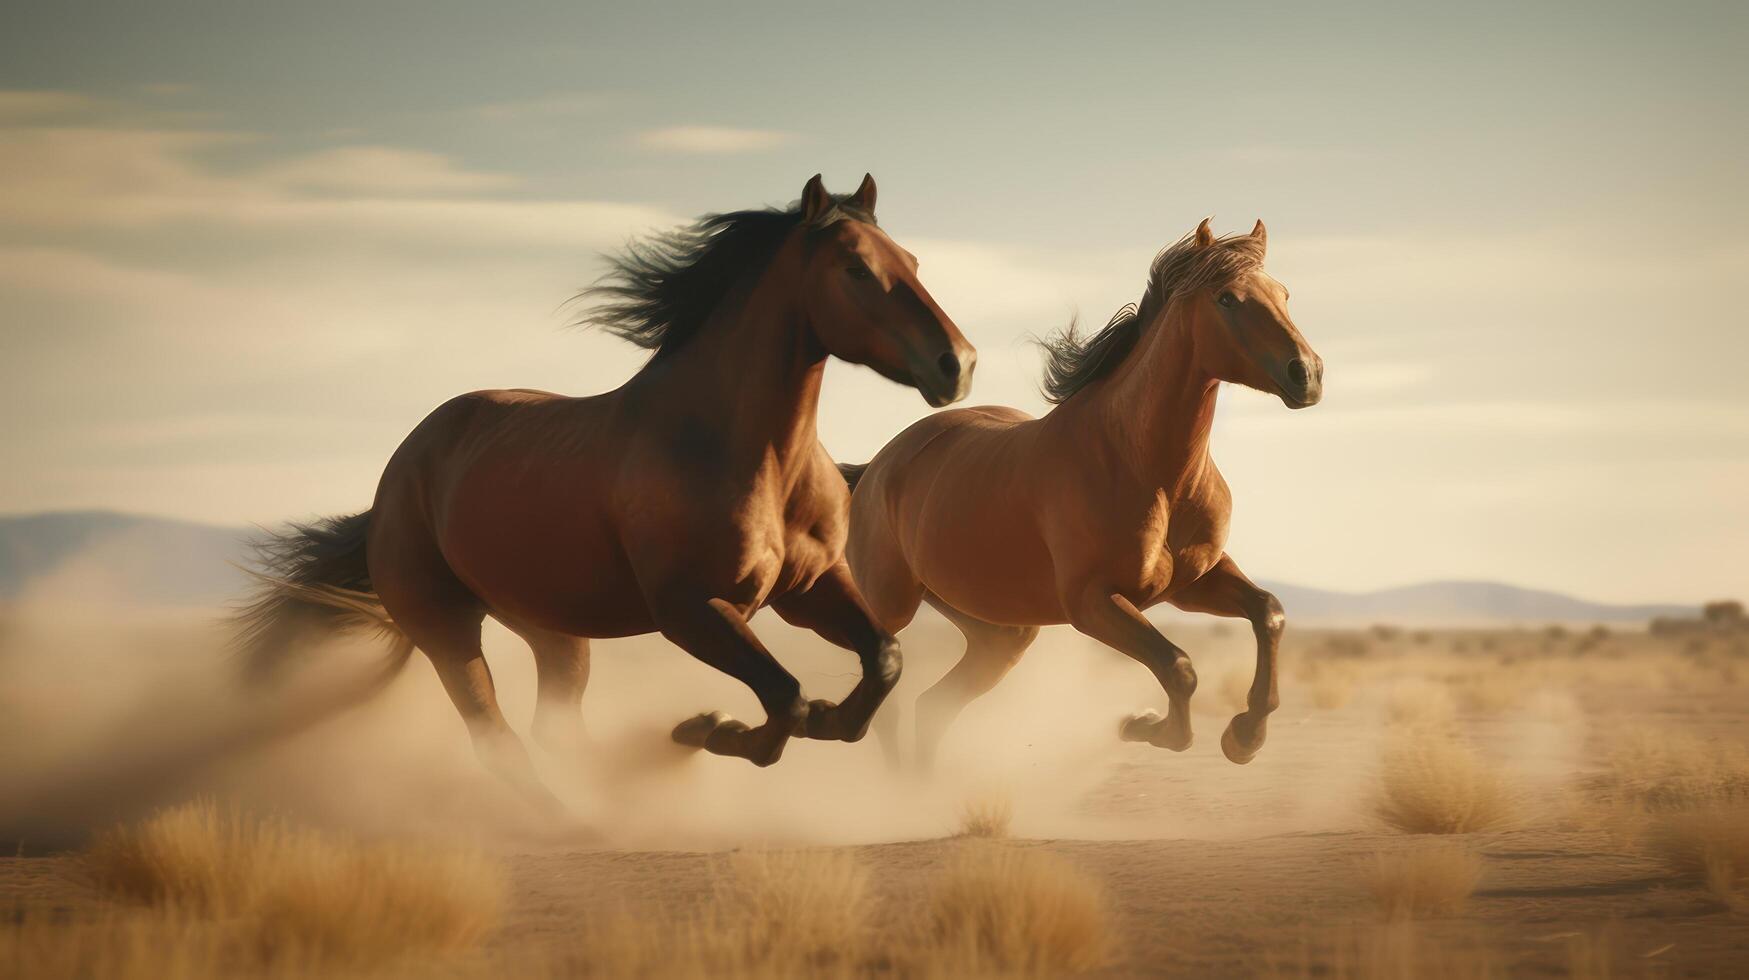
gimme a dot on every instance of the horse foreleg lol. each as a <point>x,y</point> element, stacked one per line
<point>1113,620</point>
<point>833,608</point>
<point>1225,591</point>
<point>717,633</point>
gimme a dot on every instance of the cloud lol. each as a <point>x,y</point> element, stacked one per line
<point>33,106</point>
<point>72,178</point>
<point>712,140</point>
<point>379,169</point>
<point>560,105</point>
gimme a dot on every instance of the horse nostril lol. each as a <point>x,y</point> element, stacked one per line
<point>949,364</point>
<point>1298,372</point>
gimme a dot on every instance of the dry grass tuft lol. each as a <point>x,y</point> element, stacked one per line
<point>770,914</point>
<point>1331,687</point>
<point>299,894</point>
<point>1491,689</point>
<point>1016,910</point>
<point>1395,950</point>
<point>118,945</point>
<point>1420,704</point>
<point>802,907</point>
<point>1709,845</point>
<point>1434,785</point>
<point>989,817</point>
<point>1424,880</point>
<point>1671,770</point>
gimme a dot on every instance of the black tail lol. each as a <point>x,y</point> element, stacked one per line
<point>313,582</point>
<point>852,472</point>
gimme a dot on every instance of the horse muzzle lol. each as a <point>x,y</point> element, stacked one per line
<point>1302,384</point>
<point>947,378</point>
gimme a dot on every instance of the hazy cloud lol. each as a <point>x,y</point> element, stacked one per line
<point>379,170</point>
<point>90,177</point>
<point>559,105</point>
<point>31,106</point>
<point>712,140</point>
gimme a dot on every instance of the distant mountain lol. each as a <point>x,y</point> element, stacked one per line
<point>1456,603</point>
<point>105,557</point>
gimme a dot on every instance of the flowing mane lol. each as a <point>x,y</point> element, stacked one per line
<point>1072,361</point>
<point>660,290</point>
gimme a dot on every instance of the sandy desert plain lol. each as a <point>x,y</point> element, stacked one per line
<point>1551,801</point>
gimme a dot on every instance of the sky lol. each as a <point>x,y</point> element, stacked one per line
<point>244,248</point>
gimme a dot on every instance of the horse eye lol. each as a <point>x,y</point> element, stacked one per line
<point>859,272</point>
<point>1227,300</point>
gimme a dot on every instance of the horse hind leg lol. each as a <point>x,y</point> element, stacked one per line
<point>991,651</point>
<point>452,644</point>
<point>561,663</point>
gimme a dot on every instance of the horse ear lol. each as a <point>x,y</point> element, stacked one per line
<point>815,201</point>
<point>864,198</point>
<point>1260,233</point>
<point>1204,237</point>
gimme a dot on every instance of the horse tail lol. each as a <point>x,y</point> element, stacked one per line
<point>312,581</point>
<point>852,472</point>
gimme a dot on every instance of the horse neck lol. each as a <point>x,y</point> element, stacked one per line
<point>1157,409</point>
<point>753,372</point>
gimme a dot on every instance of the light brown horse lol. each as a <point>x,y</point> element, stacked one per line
<point>681,502</point>
<point>1107,505</point>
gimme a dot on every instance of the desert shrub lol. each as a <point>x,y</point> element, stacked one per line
<point>1016,910</point>
<point>1420,704</point>
<point>767,914</point>
<point>1426,879</point>
<point>801,907</point>
<point>118,944</point>
<point>1347,645</point>
<point>1673,770</point>
<point>301,894</point>
<point>1331,687</point>
<point>1434,785</point>
<point>989,816</point>
<point>1709,845</point>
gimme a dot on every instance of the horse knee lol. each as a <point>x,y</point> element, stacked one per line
<point>885,662</point>
<point>1270,617</point>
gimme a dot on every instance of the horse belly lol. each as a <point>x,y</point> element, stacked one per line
<point>988,563</point>
<point>553,564</point>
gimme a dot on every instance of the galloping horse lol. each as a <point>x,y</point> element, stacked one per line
<point>681,502</point>
<point>1103,507</point>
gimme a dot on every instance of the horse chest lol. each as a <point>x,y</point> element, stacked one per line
<point>1180,541</point>
<point>780,545</point>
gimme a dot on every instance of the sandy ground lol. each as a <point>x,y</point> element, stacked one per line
<point>1212,869</point>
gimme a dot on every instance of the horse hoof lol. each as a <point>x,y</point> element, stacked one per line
<point>693,731</point>
<point>1139,727</point>
<point>1174,741</point>
<point>1237,752</point>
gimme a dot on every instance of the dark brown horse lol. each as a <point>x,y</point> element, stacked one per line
<point>1104,507</point>
<point>681,502</point>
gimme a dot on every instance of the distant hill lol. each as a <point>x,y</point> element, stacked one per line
<point>1457,603</point>
<point>106,557</point>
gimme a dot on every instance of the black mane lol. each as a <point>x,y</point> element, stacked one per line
<point>659,291</point>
